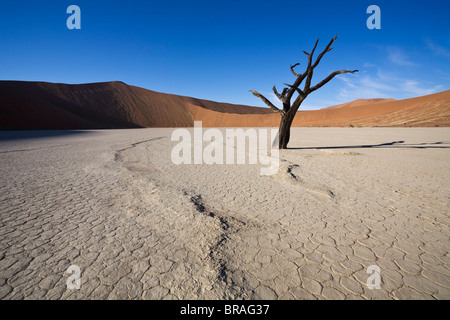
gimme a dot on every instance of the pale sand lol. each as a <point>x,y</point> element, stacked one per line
<point>140,227</point>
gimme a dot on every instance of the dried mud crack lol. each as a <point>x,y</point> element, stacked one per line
<point>292,173</point>
<point>218,250</point>
<point>289,170</point>
<point>118,154</point>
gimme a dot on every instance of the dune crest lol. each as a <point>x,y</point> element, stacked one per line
<point>106,105</point>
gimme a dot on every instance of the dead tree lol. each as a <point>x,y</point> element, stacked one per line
<point>290,109</point>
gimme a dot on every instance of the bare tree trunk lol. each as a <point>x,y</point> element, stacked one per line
<point>284,132</point>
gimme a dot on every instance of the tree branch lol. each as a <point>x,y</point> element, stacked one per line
<point>309,70</point>
<point>308,81</point>
<point>279,96</point>
<point>300,92</point>
<point>267,102</point>
<point>323,52</point>
<point>331,76</point>
<point>315,46</point>
<point>310,55</point>
<point>301,77</point>
<point>295,86</point>
<point>292,70</point>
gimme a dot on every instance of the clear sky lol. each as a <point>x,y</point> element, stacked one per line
<point>219,50</point>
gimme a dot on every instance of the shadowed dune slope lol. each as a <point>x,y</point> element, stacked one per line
<point>40,105</point>
<point>43,105</point>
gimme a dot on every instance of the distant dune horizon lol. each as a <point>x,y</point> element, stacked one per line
<point>30,105</point>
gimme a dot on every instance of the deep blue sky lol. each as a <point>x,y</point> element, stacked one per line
<point>219,50</point>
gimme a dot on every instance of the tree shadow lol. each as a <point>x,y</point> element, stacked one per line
<point>391,145</point>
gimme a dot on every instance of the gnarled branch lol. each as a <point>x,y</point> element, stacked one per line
<point>267,102</point>
<point>279,96</point>
<point>327,48</point>
<point>292,70</point>
<point>296,84</point>
<point>308,81</point>
<point>300,92</point>
<point>331,76</point>
<point>310,55</point>
<point>309,69</point>
<point>301,77</point>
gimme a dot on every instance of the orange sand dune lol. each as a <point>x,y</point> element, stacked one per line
<point>427,111</point>
<point>43,105</point>
<point>360,102</point>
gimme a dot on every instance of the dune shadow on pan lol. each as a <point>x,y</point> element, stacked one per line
<point>37,134</point>
<point>392,145</point>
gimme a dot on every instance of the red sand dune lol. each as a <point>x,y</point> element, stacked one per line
<point>42,105</point>
<point>427,111</point>
<point>360,102</point>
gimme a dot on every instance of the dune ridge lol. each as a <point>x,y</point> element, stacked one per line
<point>29,105</point>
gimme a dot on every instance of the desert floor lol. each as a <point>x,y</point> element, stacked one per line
<point>140,227</point>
